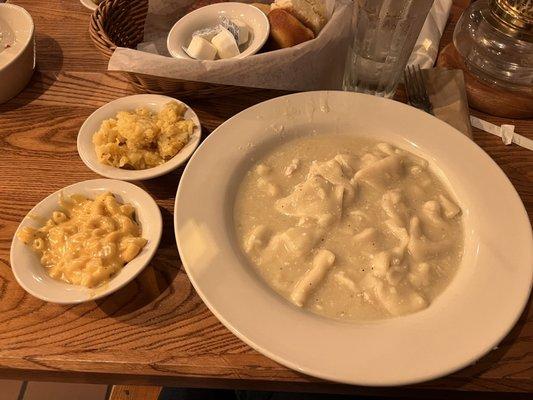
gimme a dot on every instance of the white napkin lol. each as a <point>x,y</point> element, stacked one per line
<point>427,45</point>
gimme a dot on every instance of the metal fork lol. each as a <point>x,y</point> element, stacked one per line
<point>415,87</point>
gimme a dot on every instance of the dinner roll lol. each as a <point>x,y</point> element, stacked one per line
<point>286,30</point>
<point>311,13</point>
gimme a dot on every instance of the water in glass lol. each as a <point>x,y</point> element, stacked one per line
<point>384,34</point>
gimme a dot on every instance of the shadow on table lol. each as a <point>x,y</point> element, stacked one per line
<point>153,285</point>
<point>169,393</point>
<point>223,108</point>
<point>40,81</point>
<point>165,187</point>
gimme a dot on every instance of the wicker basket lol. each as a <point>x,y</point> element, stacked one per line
<point>121,23</point>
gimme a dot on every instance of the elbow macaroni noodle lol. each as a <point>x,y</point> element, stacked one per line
<point>87,243</point>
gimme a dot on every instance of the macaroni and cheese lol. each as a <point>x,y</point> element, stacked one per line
<point>87,242</point>
<point>143,139</point>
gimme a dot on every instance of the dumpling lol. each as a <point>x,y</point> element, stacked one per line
<point>294,242</point>
<point>348,163</point>
<point>333,172</point>
<point>419,275</point>
<point>420,247</point>
<point>322,262</point>
<point>380,174</point>
<point>400,300</point>
<point>313,198</point>
<point>257,239</point>
<point>394,206</point>
<point>449,207</point>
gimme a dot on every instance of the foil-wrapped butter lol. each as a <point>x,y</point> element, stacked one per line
<point>244,31</point>
<point>238,29</point>
<point>207,33</point>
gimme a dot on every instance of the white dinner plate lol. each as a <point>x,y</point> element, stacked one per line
<point>31,275</point>
<point>467,320</point>
<point>153,102</point>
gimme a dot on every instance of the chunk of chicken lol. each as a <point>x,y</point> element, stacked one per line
<point>293,166</point>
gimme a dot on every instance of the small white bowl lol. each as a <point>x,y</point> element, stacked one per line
<point>89,4</point>
<point>17,62</point>
<point>31,275</point>
<point>181,33</point>
<point>153,102</point>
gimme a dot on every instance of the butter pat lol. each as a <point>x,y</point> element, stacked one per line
<point>225,44</point>
<point>238,29</point>
<point>243,31</point>
<point>201,49</point>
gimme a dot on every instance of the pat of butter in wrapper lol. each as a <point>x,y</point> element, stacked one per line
<point>225,44</point>
<point>207,33</point>
<point>243,31</point>
<point>201,49</point>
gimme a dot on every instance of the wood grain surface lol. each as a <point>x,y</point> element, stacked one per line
<point>121,392</point>
<point>156,330</point>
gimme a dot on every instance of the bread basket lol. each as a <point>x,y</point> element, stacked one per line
<point>121,23</point>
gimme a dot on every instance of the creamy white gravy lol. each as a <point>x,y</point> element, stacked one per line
<point>349,228</point>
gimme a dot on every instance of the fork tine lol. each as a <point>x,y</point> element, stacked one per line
<point>411,87</point>
<point>418,83</point>
<point>423,91</point>
<point>415,87</point>
<point>407,82</point>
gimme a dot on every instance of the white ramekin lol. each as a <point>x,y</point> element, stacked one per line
<point>18,62</point>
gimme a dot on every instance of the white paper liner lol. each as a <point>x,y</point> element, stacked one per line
<point>313,65</point>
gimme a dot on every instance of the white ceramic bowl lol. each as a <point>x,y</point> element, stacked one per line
<point>31,275</point>
<point>89,4</point>
<point>17,62</point>
<point>473,314</point>
<point>181,33</point>
<point>153,102</point>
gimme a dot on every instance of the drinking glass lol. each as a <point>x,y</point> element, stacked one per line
<point>384,34</point>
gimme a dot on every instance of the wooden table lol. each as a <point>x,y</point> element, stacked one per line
<point>157,330</point>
